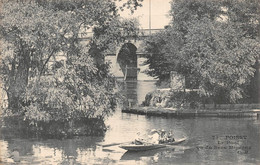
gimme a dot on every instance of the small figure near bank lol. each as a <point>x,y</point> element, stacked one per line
<point>15,155</point>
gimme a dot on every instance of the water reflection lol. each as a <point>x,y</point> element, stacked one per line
<point>137,90</point>
<point>152,154</point>
<point>131,92</point>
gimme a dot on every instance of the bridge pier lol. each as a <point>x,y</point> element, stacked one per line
<point>131,73</point>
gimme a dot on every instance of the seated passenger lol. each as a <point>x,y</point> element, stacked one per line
<point>170,137</point>
<point>154,137</point>
<point>163,136</point>
<point>138,139</point>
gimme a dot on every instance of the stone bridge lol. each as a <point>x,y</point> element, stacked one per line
<point>128,64</point>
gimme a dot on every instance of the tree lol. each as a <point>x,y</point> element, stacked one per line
<point>36,35</point>
<point>210,43</point>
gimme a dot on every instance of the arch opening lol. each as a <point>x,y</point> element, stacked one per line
<point>127,60</point>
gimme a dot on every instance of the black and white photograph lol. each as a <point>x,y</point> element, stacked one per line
<point>130,82</point>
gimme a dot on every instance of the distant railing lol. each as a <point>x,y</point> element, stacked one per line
<point>147,32</point>
<point>139,54</point>
<point>143,33</point>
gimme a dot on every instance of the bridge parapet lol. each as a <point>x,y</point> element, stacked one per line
<point>143,33</point>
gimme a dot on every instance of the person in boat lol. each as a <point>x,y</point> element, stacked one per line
<point>138,139</point>
<point>170,137</point>
<point>166,137</point>
<point>163,136</point>
<point>154,136</point>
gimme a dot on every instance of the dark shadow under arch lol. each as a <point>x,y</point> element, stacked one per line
<point>127,59</point>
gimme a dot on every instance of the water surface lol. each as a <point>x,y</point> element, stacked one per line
<point>198,149</point>
<point>210,141</point>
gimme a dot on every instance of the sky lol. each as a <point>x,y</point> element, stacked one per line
<point>159,14</point>
<point>159,18</point>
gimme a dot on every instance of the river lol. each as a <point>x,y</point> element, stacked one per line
<point>209,141</point>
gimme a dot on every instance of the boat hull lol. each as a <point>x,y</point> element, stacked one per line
<point>144,147</point>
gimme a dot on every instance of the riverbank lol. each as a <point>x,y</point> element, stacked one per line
<point>234,110</point>
<point>18,126</point>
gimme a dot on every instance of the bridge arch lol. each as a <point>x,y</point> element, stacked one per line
<point>140,67</point>
<point>127,60</point>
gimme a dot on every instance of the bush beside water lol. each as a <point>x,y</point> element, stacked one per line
<point>173,99</point>
<point>18,127</point>
<point>191,100</point>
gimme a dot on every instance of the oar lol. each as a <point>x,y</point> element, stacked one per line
<point>113,144</point>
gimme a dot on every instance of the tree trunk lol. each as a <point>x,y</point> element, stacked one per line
<point>18,80</point>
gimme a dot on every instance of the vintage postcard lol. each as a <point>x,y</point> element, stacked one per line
<point>130,82</point>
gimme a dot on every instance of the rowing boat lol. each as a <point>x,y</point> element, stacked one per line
<point>149,146</point>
